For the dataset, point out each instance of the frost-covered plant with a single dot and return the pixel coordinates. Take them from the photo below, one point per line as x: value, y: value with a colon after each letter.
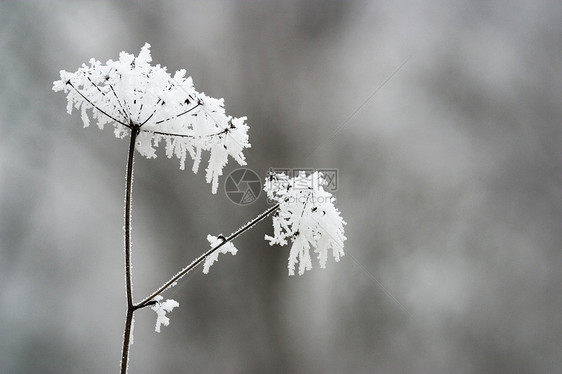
x: 152, y: 107
x: 134, y: 96
x: 307, y: 216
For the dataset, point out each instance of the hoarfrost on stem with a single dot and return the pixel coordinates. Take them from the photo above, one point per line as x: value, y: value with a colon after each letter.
x: 307, y: 216
x: 161, y: 309
x: 133, y: 95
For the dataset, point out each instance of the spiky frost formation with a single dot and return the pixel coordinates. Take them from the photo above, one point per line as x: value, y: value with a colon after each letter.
x: 133, y: 95
x: 307, y: 217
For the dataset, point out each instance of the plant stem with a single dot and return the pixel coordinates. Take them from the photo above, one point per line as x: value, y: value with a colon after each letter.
x: 200, y: 259
x: 131, y: 307
x: 127, y: 340
x: 128, y: 283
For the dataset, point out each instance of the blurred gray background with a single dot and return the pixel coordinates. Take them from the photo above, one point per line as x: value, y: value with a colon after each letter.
x: 443, y: 119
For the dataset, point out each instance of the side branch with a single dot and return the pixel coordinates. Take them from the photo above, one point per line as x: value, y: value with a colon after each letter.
x: 185, y: 135
x: 201, y: 258
x: 179, y: 115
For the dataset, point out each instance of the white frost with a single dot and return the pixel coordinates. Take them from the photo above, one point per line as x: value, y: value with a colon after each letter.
x: 307, y: 216
x: 130, y: 93
x: 161, y: 309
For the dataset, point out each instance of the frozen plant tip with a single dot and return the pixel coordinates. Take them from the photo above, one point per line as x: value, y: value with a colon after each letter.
x: 307, y: 216
x: 161, y: 309
x: 133, y: 95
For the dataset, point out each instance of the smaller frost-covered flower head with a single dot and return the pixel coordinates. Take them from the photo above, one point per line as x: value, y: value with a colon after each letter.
x: 133, y: 95
x: 307, y: 216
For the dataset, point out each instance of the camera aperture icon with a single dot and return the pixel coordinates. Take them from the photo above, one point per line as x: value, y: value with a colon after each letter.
x: 242, y: 186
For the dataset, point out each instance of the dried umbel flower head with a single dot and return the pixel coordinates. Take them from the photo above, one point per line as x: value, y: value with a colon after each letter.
x: 133, y: 95
x: 307, y: 216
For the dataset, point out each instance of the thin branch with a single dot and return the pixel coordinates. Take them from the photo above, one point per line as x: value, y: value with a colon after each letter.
x: 103, y: 94
x: 185, y: 135
x: 200, y: 259
x: 150, y: 116
x: 93, y: 105
x: 140, y: 111
x: 179, y: 115
x: 119, y: 102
